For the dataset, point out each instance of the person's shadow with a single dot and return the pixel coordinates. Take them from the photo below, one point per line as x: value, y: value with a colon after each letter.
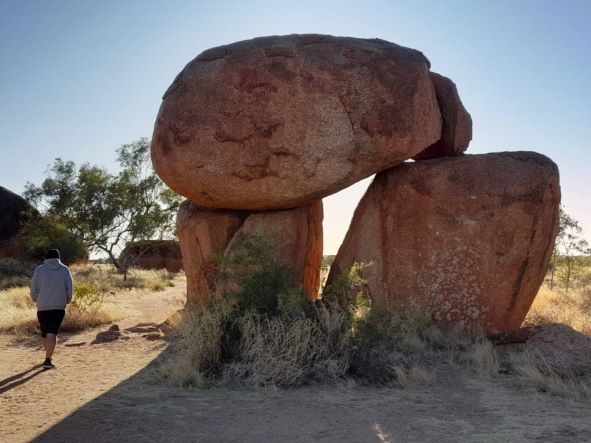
x: 16, y: 380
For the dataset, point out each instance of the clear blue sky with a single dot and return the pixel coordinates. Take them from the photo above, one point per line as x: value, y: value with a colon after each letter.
x: 80, y: 78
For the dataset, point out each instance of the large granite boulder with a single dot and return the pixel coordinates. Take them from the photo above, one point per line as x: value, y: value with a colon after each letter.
x: 456, y: 131
x: 466, y: 239
x: 14, y: 211
x: 280, y: 122
x: 153, y: 254
x: 204, y: 234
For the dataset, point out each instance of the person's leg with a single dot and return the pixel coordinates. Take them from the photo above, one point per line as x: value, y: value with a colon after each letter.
x: 42, y: 317
x: 54, y: 321
x: 49, y: 343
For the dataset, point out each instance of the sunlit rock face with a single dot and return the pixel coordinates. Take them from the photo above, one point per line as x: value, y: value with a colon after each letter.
x: 295, y: 237
x: 456, y: 131
x: 465, y: 239
x: 280, y: 122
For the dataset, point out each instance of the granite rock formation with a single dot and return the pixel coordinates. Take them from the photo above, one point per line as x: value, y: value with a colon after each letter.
x: 280, y: 122
x: 153, y: 254
x: 466, y: 239
x: 204, y: 234
x: 456, y: 130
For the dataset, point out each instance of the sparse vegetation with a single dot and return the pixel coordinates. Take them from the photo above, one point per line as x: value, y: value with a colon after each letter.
x: 534, y: 372
x: 558, y: 306
x: 14, y: 273
x: 91, y: 209
x: 94, y: 286
x: 264, y: 331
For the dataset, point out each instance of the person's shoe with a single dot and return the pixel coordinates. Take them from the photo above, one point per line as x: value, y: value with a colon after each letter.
x: 47, y: 364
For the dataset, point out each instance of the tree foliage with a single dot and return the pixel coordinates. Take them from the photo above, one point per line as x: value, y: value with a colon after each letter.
x: 104, y: 210
x: 570, y: 250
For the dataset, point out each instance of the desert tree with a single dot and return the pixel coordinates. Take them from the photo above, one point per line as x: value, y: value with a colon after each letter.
x: 570, y: 250
x: 103, y: 210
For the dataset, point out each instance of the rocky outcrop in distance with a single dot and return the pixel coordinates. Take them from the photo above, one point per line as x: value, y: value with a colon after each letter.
x: 153, y: 254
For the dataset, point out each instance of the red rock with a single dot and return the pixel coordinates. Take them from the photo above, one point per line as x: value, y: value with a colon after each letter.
x: 153, y: 254
x: 456, y: 131
x: 467, y: 239
x: 203, y: 235
x: 279, y: 122
x: 296, y: 235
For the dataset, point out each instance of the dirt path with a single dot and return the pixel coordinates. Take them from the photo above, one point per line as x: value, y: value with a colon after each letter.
x: 33, y: 400
x: 100, y: 392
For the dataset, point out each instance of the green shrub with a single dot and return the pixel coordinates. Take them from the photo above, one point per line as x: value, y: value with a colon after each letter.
x: 47, y: 232
x: 346, y: 290
x: 87, y: 297
x: 253, y: 278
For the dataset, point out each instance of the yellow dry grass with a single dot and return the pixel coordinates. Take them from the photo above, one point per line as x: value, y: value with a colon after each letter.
x: 556, y: 306
x: 18, y: 315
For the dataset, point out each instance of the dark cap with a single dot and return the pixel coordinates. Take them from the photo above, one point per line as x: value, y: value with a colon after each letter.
x: 53, y: 253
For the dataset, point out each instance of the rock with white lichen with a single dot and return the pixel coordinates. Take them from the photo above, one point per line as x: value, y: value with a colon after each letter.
x: 464, y: 239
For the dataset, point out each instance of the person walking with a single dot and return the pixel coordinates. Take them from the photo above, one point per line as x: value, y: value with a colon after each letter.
x: 51, y: 290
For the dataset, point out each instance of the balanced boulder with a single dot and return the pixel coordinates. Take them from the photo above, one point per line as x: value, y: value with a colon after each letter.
x: 456, y: 130
x: 153, y: 254
x: 465, y: 239
x: 294, y: 235
x: 280, y: 122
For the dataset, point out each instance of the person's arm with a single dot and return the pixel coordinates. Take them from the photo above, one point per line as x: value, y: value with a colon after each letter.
x: 35, y: 286
x: 69, y: 286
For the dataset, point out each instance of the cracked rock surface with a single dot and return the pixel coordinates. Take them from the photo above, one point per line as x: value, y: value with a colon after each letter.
x: 280, y: 122
x: 296, y: 235
x: 465, y: 239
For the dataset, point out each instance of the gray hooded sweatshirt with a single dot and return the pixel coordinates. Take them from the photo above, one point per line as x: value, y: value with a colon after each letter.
x: 51, y: 286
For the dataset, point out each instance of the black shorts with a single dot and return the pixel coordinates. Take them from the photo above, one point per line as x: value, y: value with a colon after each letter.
x: 50, y: 321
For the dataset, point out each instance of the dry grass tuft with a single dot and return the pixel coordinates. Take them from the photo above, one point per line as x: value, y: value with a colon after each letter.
x: 556, y: 306
x: 106, y: 278
x: 293, y: 351
x: 534, y: 372
x: 481, y: 357
x: 18, y: 314
x: 93, y: 284
x: 197, y: 348
x: 222, y: 346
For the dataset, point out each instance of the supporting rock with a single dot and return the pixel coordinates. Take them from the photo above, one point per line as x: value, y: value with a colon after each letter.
x: 466, y: 239
x: 296, y: 235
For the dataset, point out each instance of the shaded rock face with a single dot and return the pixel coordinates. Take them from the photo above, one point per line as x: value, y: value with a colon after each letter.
x: 204, y: 234
x: 154, y: 254
x: 467, y: 239
x: 456, y: 130
x: 280, y: 122
x: 11, y: 219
